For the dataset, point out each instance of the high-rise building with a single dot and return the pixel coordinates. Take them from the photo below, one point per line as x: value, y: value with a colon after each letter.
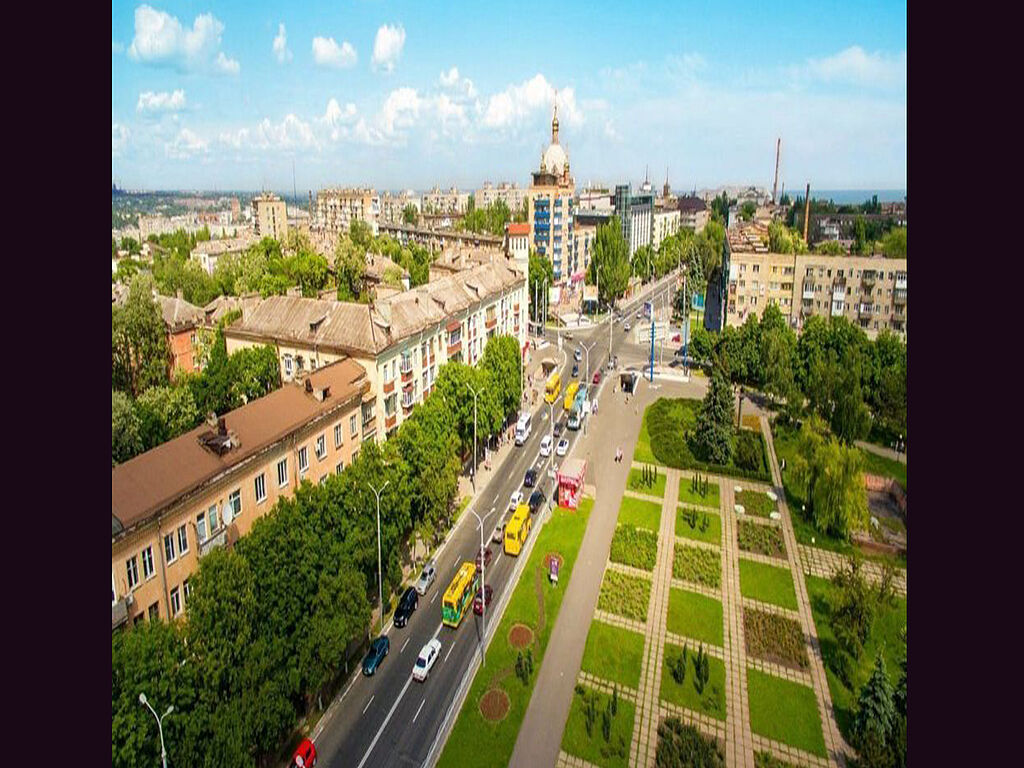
x: 336, y: 209
x: 552, y: 209
x: 270, y: 216
x: 511, y: 194
x: 636, y: 215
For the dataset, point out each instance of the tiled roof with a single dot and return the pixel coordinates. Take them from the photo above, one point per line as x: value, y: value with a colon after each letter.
x: 178, y: 314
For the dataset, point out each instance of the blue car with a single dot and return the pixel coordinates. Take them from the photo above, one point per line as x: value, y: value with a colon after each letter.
x: 378, y: 650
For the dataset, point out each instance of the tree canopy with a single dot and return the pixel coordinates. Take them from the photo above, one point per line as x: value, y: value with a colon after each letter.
x: 611, y: 260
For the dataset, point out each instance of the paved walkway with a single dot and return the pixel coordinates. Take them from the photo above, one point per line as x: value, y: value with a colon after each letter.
x: 879, y: 450
x: 823, y: 563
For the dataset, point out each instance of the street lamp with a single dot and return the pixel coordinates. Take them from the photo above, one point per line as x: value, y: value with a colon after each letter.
x: 483, y: 584
x: 380, y: 570
x: 587, y: 348
x: 475, y: 393
x: 159, y: 724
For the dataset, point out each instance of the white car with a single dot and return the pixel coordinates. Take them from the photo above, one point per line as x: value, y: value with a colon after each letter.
x: 426, y: 578
x: 426, y: 660
x: 545, y: 446
x: 563, y: 447
x: 577, y: 355
x: 515, y: 499
x: 499, y: 534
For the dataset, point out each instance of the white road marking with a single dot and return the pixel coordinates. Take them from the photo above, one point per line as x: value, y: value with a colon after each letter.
x: 368, y: 704
x: 385, y: 723
x: 433, y: 598
x: 452, y: 648
x: 418, y: 710
x: 349, y: 688
x: 407, y: 640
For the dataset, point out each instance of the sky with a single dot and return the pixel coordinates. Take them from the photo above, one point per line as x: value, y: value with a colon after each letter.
x: 208, y: 95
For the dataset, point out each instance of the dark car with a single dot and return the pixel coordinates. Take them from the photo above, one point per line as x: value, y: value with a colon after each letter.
x: 478, y: 601
x: 409, y: 602
x: 531, y: 478
x: 378, y: 650
x: 575, y: 370
x: 484, y: 555
x: 305, y: 755
x: 559, y: 426
x: 597, y: 376
x: 537, y: 500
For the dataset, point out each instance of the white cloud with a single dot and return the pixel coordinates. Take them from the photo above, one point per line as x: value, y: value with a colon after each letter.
x: 160, y: 39
x: 519, y: 103
x: 854, y: 65
x: 335, y: 119
x: 688, y: 65
x: 387, y: 47
x: 163, y: 101
x: 462, y: 86
x: 185, y: 145
x: 400, y: 110
x: 281, y: 51
x: 119, y: 136
x: 328, y: 53
x: 116, y: 47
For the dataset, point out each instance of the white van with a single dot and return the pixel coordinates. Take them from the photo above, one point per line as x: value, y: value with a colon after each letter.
x: 523, y: 428
x: 545, y: 446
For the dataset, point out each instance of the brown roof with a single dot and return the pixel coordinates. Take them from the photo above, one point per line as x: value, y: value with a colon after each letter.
x: 228, y: 245
x: 178, y: 314
x: 691, y: 204
x: 222, y: 305
x: 144, y: 486
x: 522, y: 228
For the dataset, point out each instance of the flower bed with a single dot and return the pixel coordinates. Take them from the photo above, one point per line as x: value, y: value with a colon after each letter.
x: 635, y: 547
x: 701, y: 566
x: 762, y: 539
x: 775, y: 638
x: 699, y: 525
x: 625, y: 595
x: 755, y: 503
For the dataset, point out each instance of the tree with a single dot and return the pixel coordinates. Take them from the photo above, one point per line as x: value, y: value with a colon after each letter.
x: 875, y: 719
x: 140, y: 351
x: 542, y: 277
x: 349, y: 268
x: 253, y: 372
x: 164, y: 413
x: 860, y: 236
x: 830, y: 248
x: 131, y: 245
x: 410, y: 215
x: 611, y: 260
x: 713, y: 432
x: 720, y: 206
x: 806, y: 467
x: 702, y: 343
x: 852, y: 605
x: 748, y: 210
x: 501, y: 359
x: 683, y: 746
x: 126, y: 441
x: 359, y: 232
x: 894, y: 244
x: 643, y: 263
x: 839, y: 500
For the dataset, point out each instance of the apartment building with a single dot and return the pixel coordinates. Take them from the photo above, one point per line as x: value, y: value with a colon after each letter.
x: 693, y: 213
x: 209, y: 252
x: 392, y: 207
x: 511, y: 194
x: 552, y: 208
x: 517, y: 244
x: 440, y: 203
x: 270, y: 217
x: 181, y: 321
x: 401, y: 341
x: 175, y: 503
x: 665, y: 224
x: 336, y: 209
x: 636, y: 215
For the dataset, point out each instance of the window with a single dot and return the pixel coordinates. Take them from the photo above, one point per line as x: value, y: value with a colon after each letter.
x: 212, y: 515
x: 389, y: 404
x: 355, y: 454
x: 757, y: 268
x: 183, y: 539
x: 201, y: 526
x: 387, y: 374
x: 287, y: 365
x: 353, y: 427
x: 186, y: 590
x: 338, y: 435
x: 321, y: 447
x: 338, y: 467
x: 235, y: 502
x: 147, y: 562
x: 131, y: 565
x: 261, y: 488
x: 303, y: 459
x: 175, y: 601
x: 169, y: 554
x: 323, y: 479
x: 282, y: 473
x: 154, y: 612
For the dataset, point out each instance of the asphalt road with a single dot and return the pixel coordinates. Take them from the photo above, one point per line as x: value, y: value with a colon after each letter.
x: 391, y: 720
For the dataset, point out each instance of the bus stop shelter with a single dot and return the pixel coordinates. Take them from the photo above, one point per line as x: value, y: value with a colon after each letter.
x: 571, y: 476
x: 628, y: 381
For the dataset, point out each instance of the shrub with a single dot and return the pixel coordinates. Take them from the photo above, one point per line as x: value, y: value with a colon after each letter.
x: 749, y: 452
x: 606, y: 724
x: 763, y: 539
x: 635, y: 547
x: 615, y: 700
x: 768, y: 760
x: 678, y: 666
x: 852, y: 607
x: 682, y: 745
x: 701, y: 566
x: 625, y: 595
x: 755, y: 503
x: 775, y: 638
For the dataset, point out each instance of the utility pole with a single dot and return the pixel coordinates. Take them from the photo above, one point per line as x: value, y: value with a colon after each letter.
x: 483, y: 585
x: 159, y: 724
x: 380, y: 570
x: 807, y: 210
x: 475, y: 393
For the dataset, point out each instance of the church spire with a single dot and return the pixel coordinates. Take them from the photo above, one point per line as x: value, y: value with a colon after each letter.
x: 554, y: 122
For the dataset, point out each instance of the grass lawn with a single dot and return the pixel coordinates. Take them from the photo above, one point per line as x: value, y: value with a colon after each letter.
x: 712, y: 534
x: 624, y: 595
x: 755, y: 503
x: 767, y: 584
x: 642, y: 514
x: 474, y: 740
x: 694, y: 615
x: 642, y: 451
x: 712, y: 701
x: 884, y: 635
x: 689, y: 496
x: 657, y: 488
x: 696, y: 564
x: 594, y: 749
x: 784, y: 711
x: 880, y: 465
x: 635, y: 547
x: 613, y: 653
x: 762, y: 539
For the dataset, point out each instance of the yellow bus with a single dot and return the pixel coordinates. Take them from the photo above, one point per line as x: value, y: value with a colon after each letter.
x: 459, y: 595
x: 554, y: 387
x: 517, y: 529
x: 570, y: 394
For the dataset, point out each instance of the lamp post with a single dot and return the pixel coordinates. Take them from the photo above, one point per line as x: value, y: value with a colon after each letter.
x: 587, y: 348
x: 159, y: 724
x: 380, y: 570
x: 483, y: 585
x: 475, y: 393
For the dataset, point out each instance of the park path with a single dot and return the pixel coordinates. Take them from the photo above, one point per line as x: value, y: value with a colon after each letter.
x: 882, y: 451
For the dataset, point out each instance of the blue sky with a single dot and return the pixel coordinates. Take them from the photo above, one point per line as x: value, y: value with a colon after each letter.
x: 208, y: 95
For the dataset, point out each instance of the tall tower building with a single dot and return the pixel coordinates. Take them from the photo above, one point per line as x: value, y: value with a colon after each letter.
x: 552, y: 210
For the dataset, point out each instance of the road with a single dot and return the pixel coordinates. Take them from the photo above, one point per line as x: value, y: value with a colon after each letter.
x: 391, y: 720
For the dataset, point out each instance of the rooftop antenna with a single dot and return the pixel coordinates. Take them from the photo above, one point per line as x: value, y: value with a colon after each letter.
x: 775, y: 186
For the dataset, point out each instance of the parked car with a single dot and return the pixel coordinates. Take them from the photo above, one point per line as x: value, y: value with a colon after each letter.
x: 515, y: 499
x: 304, y: 756
x: 537, y: 500
x: 410, y: 602
x: 499, y: 533
x: 545, y: 446
x: 426, y: 578
x: 530, y: 479
x: 478, y: 601
x: 612, y: 362
x: 626, y: 327
x: 483, y: 557
x: 559, y: 426
x: 563, y: 447
x: 378, y: 650
x: 425, y: 661
x: 577, y: 355
x: 575, y: 370
x: 597, y: 376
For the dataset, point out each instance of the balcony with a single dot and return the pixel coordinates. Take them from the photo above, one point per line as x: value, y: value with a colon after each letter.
x: 491, y: 322
x: 839, y: 292
x: 899, y: 296
x: 214, y: 541
x: 119, y: 612
x: 867, y: 278
x: 407, y: 400
x: 865, y: 310
x: 901, y: 283
x: 390, y: 421
x: 406, y: 365
x: 389, y: 386
x: 407, y: 376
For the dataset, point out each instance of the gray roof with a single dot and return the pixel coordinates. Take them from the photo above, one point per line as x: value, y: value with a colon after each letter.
x: 178, y: 314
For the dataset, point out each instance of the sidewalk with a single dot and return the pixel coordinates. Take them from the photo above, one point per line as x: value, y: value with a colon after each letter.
x: 878, y: 450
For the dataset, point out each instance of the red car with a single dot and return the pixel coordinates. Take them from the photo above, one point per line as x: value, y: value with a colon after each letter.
x: 485, y: 556
x: 478, y: 601
x: 305, y: 755
x: 597, y: 376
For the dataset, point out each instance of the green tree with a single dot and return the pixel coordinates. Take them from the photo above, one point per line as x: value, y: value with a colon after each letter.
x: 140, y: 351
x: 164, y: 413
x: 253, y: 372
x: 860, y: 236
x: 830, y: 248
x: 349, y: 268
x: 542, y: 277
x: 894, y: 244
x: 361, y: 234
x: 681, y: 745
x: 852, y: 607
x: 126, y: 440
x: 720, y: 206
x: 410, y: 215
x: 748, y: 210
x: 611, y: 260
x: 131, y: 245
x: 875, y: 719
x: 714, y: 431
x: 839, y: 500
x: 502, y: 359
x: 643, y: 263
